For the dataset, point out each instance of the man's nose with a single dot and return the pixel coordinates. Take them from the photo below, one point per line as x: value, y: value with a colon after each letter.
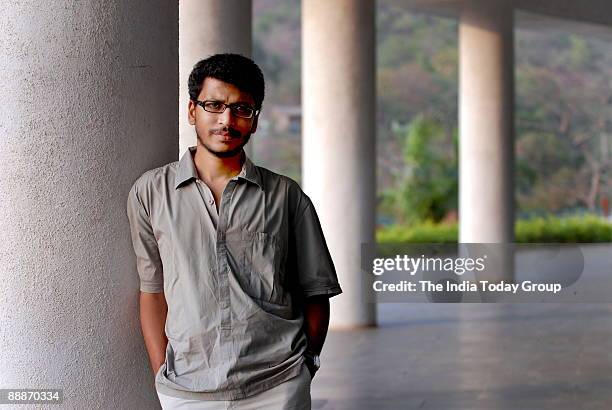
x: 226, y: 117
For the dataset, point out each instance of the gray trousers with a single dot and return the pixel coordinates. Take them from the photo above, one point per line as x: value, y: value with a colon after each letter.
x: 294, y: 394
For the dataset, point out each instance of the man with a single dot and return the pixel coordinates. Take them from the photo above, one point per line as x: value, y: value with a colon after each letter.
x: 235, y: 275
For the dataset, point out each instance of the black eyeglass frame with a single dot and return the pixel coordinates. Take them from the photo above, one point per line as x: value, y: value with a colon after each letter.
x: 254, y: 111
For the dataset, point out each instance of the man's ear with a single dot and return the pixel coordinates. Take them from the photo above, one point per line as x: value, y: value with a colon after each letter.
x: 254, y: 125
x: 191, y: 107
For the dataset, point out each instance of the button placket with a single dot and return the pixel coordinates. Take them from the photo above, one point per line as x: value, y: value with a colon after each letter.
x: 207, y: 196
x: 222, y: 265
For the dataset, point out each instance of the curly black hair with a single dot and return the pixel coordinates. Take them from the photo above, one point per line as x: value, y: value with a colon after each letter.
x: 234, y: 69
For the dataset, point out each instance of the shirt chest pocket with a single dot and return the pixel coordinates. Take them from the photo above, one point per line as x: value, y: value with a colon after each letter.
x: 264, y: 261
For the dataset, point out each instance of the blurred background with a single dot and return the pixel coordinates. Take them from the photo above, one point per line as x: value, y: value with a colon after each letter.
x: 563, y: 120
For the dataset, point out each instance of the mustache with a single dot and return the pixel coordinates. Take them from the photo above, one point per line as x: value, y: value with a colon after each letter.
x: 232, y: 132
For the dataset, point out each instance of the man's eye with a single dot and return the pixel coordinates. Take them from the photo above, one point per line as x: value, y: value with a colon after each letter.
x: 242, y: 109
x: 215, y: 105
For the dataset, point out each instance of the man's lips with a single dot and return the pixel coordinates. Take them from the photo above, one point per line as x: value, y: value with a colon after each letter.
x: 225, y: 136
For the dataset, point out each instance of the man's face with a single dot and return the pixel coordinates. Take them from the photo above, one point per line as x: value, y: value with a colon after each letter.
x: 222, y: 134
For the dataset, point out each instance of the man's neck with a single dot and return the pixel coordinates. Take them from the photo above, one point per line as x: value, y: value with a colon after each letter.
x: 213, y: 169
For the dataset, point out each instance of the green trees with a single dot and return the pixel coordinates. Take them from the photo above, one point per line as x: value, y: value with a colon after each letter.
x: 430, y: 186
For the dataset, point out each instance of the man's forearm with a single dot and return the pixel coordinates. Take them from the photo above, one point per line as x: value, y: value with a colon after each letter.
x: 153, y: 311
x: 316, y: 322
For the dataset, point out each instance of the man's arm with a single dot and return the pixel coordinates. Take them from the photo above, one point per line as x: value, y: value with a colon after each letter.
x: 153, y: 310
x: 316, y: 322
x: 316, y: 276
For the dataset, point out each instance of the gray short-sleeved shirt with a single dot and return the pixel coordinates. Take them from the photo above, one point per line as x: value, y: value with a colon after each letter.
x: 234, y: 280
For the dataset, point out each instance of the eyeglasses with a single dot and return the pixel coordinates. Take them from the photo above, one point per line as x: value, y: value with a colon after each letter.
x: 238, y: 109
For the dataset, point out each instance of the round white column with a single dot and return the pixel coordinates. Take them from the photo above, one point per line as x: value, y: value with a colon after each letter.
x: 486, y: 120
x: 338, y: 140
x: 88, y: 103
x: 205, y: 28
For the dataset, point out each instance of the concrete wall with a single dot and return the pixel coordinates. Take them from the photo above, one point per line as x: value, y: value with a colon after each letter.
x: 88, y: 103
x: 338, y: 140
x: 486, y: 124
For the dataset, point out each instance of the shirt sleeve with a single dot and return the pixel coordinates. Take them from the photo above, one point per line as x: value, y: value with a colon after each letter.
x: 148, y: 261
x: 316, y: 272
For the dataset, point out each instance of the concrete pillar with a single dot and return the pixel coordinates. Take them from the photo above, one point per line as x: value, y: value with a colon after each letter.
x: 206, y: 28
x: 486, y: 120
x: 88, y: 102
x: 338, y: 142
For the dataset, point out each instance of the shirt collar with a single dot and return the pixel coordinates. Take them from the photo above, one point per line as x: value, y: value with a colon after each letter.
x: 187, y: 170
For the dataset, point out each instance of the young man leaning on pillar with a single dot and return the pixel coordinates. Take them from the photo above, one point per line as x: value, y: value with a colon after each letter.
x: 235, y: 274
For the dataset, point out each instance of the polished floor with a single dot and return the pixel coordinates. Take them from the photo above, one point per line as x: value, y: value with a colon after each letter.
x: 471, y: 356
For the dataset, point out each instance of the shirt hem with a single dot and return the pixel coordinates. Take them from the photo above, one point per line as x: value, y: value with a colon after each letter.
x: 232, y: 394
x: 331, y: 291
x: 145, y: 289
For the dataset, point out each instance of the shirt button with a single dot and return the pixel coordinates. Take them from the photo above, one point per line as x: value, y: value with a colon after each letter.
x: 211, y: 202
